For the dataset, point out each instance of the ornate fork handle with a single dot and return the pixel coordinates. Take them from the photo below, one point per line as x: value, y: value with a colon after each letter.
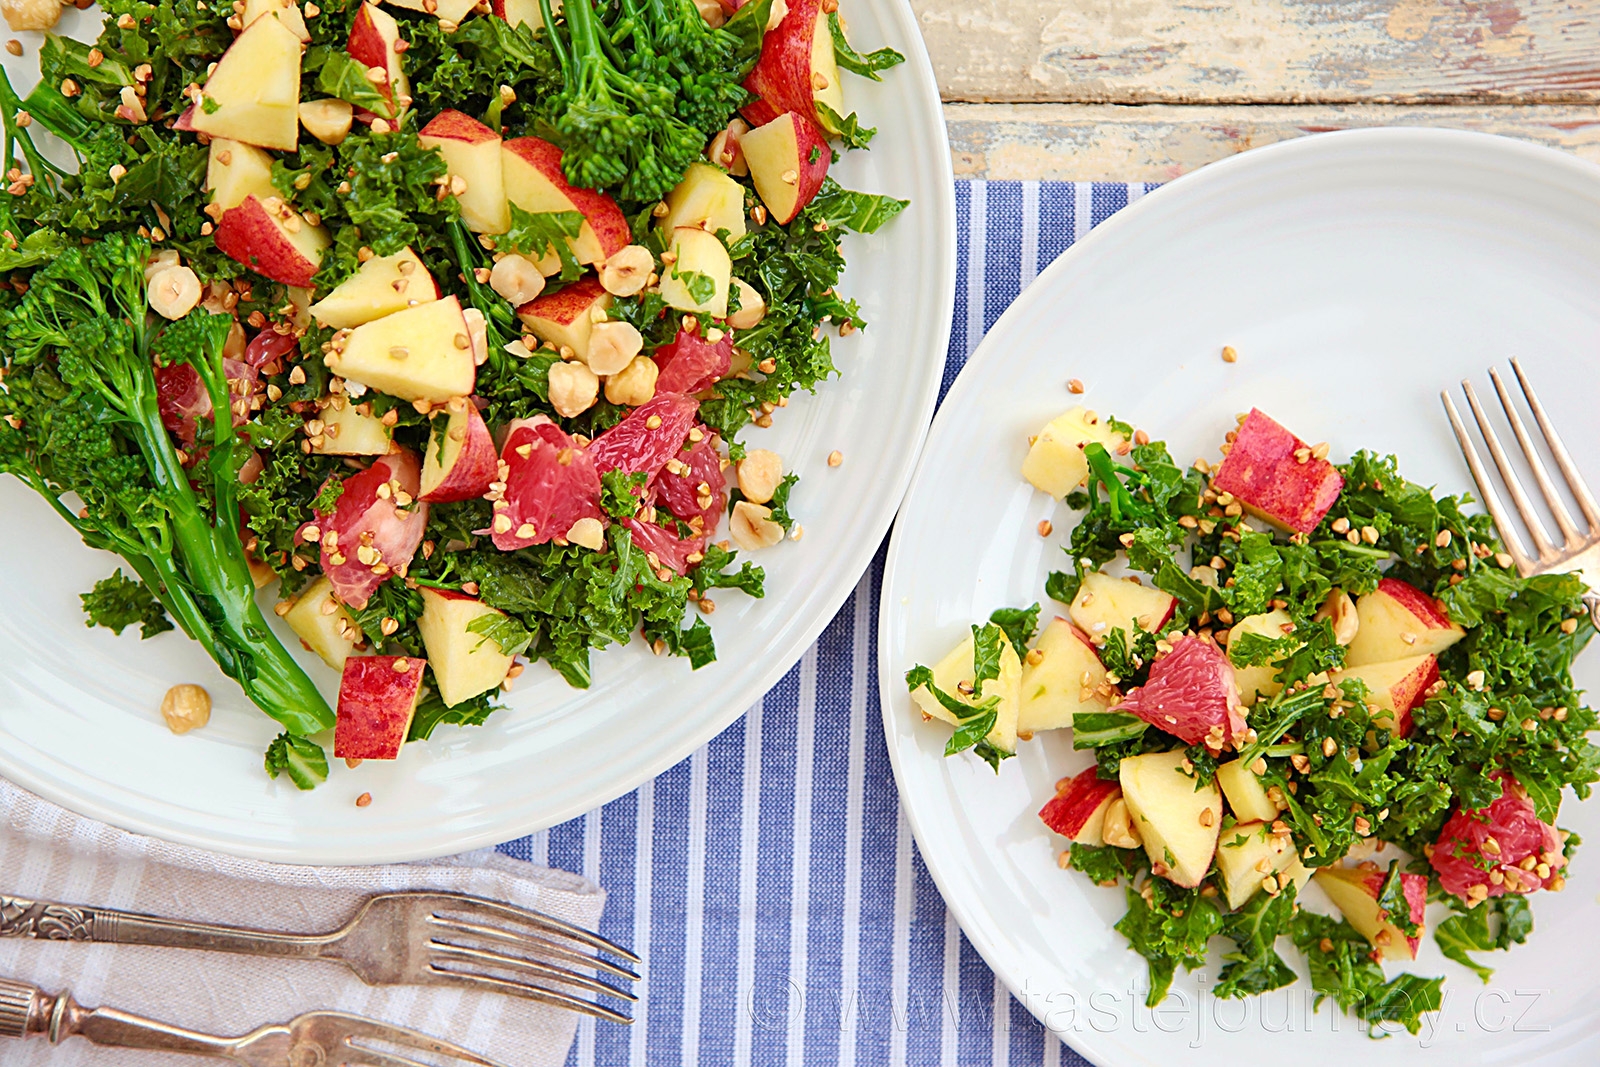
x: 48, y: 921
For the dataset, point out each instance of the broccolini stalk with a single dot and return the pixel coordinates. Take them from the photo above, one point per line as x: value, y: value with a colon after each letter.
x: 80, y: 415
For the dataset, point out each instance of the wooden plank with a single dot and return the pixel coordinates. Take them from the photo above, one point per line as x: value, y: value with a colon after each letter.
x: 1265, y: 51
x: 1157, y: 143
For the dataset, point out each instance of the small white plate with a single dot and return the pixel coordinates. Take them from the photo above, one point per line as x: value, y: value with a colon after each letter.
x: 79, y: 719
x: 1357, y: 274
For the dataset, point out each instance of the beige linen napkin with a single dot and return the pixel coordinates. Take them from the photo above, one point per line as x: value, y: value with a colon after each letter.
x: 49, y: 853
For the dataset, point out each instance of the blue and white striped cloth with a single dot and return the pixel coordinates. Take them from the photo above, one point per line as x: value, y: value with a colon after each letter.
x: 769, y: 880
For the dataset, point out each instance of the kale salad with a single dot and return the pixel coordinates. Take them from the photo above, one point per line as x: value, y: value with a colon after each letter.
x: 447, y: 326
x: 1289, y: 672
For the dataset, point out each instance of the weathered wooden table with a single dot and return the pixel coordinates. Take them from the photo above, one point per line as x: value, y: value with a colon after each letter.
x: 1145, y: 90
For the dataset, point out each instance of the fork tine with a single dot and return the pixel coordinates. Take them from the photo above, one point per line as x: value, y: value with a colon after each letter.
x: 356, y: 1026
x: 532, y: 967
x: 1491, y: 499
x: 1519, y: 499
x: 534, y: 993
x: 535, y: 944
x: 536, y: 919
x: 1569, y: 470
x: 1569, y: 532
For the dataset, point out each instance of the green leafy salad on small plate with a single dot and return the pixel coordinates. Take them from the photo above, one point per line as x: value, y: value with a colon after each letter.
x: 1302, y: 674
x: 446, y: 320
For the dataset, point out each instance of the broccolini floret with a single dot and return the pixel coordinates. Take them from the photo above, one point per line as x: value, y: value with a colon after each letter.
x: 638, y: 97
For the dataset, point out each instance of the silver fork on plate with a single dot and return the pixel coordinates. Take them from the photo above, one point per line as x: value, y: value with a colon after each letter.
x: 417, y: 938
x: 1579, y: 549
x: 320, y: 1038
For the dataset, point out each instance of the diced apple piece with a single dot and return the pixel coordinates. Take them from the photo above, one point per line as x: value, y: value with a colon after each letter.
x: 254, y: 94
x: 377, y: 698
x: 1055, y: 462
x: 535, y: 182
x: 350, y: 429
x: 956, y: 670
x: 288, y: 13
x: 566, y: 317
x: 235, y: 171
x: 698, y: 277
x: 1355, y: 890
x: 783, y: 77
x: 1066, y: 679
x: 1298, y: 873
x: 421, y: 353
x: 1261, y: 680
x: 1399, y: 621
x: 826, y: 87
x: 271, y: 238
x: 381, y: 286
x: 1078, y: 810
x: 318, y: 619
x: 1247, y: 854
x: 451, y: 11
x: 1105, y: 603
x: 706, y: 199
x: 1247, y: 797
x: 1395, y: 688
x: 327, y: 120
x: 464, y: 663
x: 1191, y: 695
x: 523, y: 12
x: 1178, y: 822
x: 472, y: 152
x: 788, y: 158
x: 1272, y: 473
x: 374, y: 35
x: 461, y: 465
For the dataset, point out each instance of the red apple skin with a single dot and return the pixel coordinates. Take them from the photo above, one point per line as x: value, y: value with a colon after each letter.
x: 377, y: 696
x: 185, y: 120
x: 1418, y: 685
x: 566, y: 304
x: 781, y: 78
x: 1262, y: 473
x: 1460, y: 858
x: 454, y: 125
x: 367, y: 45
x: 1191, y: 695
x: 469, y: 476
x: 1414, y: 600
x: 810, y: 165
x: 248, y: 234
x: 1070, y: 809
x: 610, y: 225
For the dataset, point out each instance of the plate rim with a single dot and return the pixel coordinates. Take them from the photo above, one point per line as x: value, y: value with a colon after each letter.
x: 967, y: 913
x: 854, y: 559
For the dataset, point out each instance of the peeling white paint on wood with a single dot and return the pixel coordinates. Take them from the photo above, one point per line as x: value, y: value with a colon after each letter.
x: 1265, y: 51
x: 1157, y: 143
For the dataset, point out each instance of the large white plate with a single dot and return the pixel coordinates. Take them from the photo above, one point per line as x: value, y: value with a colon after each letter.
x: 1357, y: 274
x: 78, y: 708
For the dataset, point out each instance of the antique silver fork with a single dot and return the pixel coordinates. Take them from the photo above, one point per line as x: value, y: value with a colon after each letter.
x: 318, y: 1039
x: 1579, y: 549
x: 418, y: 938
